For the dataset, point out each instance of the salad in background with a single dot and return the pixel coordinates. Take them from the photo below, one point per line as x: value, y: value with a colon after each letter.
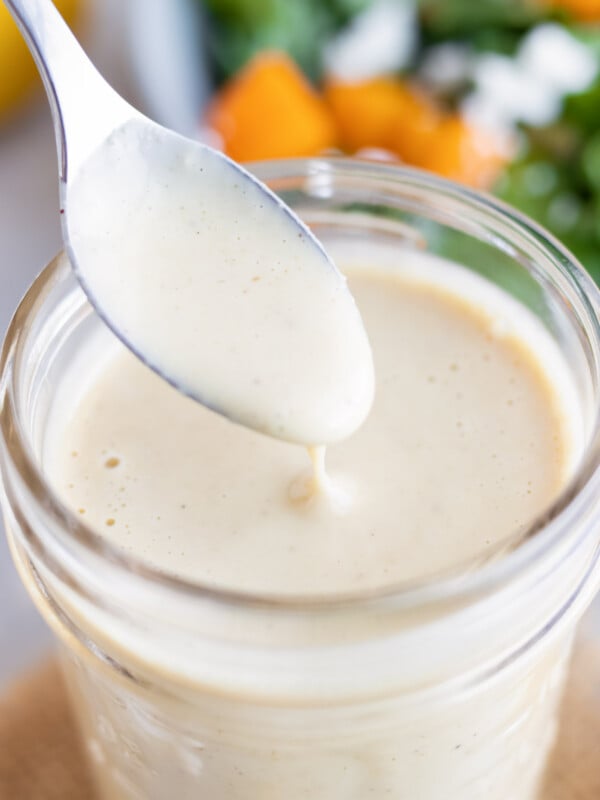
x: 503, y: 95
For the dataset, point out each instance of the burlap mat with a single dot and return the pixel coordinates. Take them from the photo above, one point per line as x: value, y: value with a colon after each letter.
x: 41, y: 758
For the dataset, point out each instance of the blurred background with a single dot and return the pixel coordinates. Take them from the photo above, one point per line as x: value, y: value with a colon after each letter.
x: 500, y: 95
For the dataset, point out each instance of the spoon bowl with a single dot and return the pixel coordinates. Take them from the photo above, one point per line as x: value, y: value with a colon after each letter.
x: 194, y: 264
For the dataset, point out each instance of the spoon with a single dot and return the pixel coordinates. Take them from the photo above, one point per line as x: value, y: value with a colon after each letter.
x: 197, y: 267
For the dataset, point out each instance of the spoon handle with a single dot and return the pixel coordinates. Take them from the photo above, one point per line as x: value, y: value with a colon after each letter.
x: 85, y: 109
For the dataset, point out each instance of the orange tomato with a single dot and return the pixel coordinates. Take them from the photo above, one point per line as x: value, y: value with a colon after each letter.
x: 461, y: 152
x: 269, y: 110
x: 382, y: 112
x: 390, y: 114
x: 415, y: 127
x: 365, y: 112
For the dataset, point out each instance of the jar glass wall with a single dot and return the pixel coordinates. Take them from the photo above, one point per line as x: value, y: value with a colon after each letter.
x: 447, y: 688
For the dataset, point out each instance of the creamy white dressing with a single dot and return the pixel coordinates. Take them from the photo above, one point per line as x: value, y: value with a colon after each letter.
x: 473, y: 432
x: 219, y: 287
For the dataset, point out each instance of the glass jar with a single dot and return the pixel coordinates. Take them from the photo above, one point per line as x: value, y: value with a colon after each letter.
x: 441, y: 690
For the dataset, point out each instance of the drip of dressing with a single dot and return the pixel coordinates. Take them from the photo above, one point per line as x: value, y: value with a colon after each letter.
x: 314, y: 482
x: 320, y: 481
x: 314, y: 487
x: 219, y: 288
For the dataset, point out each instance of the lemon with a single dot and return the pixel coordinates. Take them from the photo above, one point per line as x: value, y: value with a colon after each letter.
x: 18, y: 73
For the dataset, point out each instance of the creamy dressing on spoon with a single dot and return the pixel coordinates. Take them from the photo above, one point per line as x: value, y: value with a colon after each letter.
x: 219, y: 287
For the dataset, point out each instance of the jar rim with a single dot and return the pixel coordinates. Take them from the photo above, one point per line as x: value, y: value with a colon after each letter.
x: 455, y: 585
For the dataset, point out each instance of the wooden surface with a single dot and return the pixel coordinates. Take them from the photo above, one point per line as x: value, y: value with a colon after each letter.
x: 574, y: 770
x: 40, y: 754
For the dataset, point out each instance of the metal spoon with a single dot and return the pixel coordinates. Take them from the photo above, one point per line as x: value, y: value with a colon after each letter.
x: 298, y: 366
